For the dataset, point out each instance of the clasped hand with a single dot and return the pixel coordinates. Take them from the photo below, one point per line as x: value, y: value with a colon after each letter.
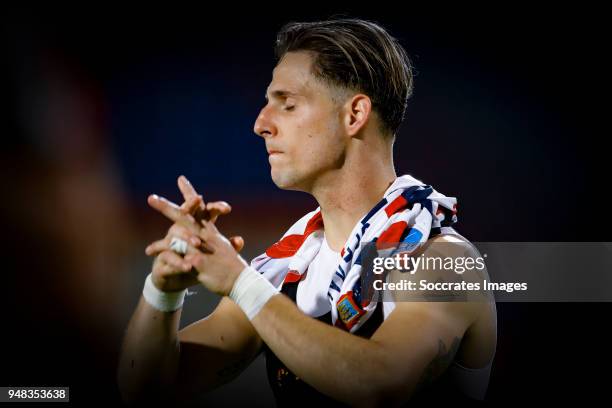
x: 211, y: 259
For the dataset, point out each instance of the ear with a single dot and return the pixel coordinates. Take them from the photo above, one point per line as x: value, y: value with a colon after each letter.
x: 358, y: 111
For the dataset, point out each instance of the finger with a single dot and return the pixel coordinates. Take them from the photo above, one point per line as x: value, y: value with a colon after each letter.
x: 192, y: 204
x: 164, y: 244
x: 188, y: 193
x: 217, y: 208
x: 194, y: 243
x: 166, y: 270
x: 166, y: 207
x: 156, y: 247
x: 237, y: 243
x: 186, y: 188
x: 171, y: 211
x: 198, y: 260
x: 189, y: 234
x: 176, y: 262
x: 193, y: 260
x: 184, y: 232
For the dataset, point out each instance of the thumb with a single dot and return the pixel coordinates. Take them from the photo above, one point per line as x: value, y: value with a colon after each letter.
x: 237, y: 242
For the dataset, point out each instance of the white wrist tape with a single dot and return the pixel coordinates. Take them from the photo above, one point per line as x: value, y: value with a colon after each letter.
x: 251, y: 291
x: 160, y: 300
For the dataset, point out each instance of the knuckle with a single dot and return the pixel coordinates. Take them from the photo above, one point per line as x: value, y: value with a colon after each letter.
x: 176, y: 229
x: 180, y: 231
x: 167, y: 256
x: 163, y: 256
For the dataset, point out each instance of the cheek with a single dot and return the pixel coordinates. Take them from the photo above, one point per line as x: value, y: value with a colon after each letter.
x: 321, y: 150
x: 315, y: 141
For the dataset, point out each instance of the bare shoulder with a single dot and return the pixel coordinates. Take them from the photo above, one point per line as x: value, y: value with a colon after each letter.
x: 448, y: 238
x: 452, y: 244
x: 435, y: 285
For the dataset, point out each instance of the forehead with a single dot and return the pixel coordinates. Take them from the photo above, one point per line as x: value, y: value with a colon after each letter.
x: 293, y: 74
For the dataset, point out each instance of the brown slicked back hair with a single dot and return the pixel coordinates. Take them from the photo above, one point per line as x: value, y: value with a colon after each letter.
x: 356, y: 55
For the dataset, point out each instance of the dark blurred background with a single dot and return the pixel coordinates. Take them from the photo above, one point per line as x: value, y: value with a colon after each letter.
x: 106, y: 105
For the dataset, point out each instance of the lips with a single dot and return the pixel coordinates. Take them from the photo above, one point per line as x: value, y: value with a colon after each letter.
x: 273, y: 151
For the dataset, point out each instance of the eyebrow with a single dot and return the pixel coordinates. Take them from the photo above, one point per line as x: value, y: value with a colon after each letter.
x: 280, y: 93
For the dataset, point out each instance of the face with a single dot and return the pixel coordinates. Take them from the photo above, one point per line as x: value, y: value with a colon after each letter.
x: 301, y: 125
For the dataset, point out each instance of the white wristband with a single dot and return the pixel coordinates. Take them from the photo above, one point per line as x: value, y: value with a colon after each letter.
x: 251, y: 291
x: 160, y: 300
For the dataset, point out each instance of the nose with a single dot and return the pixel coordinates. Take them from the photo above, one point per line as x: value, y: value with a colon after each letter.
x: 264, y: 126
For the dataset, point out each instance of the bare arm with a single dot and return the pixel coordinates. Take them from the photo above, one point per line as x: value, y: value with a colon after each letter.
x: 148, y: 361
x: 385, y: 369
x: 159, y: 362
x: 412, y: 347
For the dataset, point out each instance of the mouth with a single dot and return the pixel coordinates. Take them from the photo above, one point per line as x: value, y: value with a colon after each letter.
x: 272, y: 152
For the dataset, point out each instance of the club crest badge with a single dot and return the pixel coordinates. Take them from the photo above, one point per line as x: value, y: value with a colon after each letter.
x: 348, y: 310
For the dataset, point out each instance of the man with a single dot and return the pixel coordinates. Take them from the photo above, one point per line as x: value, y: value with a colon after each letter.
x: 334, y: 105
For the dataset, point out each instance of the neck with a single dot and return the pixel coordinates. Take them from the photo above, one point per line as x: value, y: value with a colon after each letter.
x: 347, y: 194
